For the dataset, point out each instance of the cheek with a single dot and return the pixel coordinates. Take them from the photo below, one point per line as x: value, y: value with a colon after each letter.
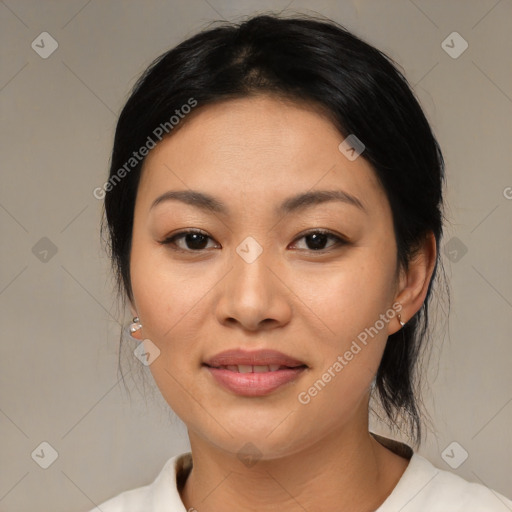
x: 350, y: 295
x: 167, y: 305
x: 166, y: 293
x: 349, y: 301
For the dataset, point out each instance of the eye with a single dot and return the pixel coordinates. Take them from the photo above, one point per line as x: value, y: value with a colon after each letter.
x: 192, y: 240
x: 195, y: 240
x: 316, y: 240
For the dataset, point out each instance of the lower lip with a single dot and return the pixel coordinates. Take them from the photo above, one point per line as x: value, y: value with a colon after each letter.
x: 254, y: 384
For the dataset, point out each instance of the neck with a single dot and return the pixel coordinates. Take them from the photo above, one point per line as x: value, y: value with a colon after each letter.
x: 345, y: 470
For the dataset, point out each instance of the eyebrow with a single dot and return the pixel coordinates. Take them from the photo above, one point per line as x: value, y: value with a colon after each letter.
x: 289, y: 205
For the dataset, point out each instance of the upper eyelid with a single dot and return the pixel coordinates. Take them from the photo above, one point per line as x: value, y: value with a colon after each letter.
x: 323, y: 231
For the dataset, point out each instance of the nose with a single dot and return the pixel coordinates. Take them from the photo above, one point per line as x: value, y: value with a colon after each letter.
x: 253, y: 297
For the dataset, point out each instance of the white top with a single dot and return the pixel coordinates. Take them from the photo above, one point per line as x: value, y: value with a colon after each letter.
x: 422, y: 488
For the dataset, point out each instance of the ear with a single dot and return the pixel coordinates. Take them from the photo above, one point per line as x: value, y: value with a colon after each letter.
x: 137, y: 334
x: 414, y: 283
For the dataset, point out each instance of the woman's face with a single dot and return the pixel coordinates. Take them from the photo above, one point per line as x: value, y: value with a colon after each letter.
x: 259, y: 278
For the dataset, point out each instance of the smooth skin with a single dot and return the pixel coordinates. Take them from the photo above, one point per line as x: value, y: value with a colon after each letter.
x: 196, y: 297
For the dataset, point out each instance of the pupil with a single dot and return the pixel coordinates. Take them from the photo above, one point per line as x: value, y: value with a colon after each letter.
x: 196, y: 241
x: 316, y: 241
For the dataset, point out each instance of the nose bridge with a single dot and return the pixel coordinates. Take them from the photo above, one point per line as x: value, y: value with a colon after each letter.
x: 252, y: 294
x: 251, y: 276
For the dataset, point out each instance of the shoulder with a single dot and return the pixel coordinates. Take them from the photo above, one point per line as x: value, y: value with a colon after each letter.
x: 128, y: 501
x: 426, y: 488
x: 162, y: 492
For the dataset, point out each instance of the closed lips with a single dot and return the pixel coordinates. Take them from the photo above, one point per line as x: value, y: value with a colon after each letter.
x: 245, y: 368
x: 255, y: 361
x: 253, y: 372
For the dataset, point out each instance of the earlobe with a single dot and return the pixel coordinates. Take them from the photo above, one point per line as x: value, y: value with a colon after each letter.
x: 135, y: 327
x: 416, y: 280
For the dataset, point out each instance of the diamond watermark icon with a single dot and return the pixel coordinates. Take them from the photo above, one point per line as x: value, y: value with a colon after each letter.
x: 146, y: 352
x: 455, y: 249
x: 454, y: 455
x: 45, y: 455
x: 249, y: 454
x: 44, y: 250
x: 44, y: 45
x: 249, y: 250
x: 454, y: 45
x: 351, y: 147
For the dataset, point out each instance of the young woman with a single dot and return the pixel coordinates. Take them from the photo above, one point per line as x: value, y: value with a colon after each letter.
x: 274, y: 209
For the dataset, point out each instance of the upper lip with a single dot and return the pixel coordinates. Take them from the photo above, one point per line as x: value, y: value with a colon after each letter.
x: 253, y: 358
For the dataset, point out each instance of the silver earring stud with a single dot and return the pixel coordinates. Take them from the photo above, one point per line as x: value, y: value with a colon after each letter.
x: 135, y: 325
x: 400, y: 319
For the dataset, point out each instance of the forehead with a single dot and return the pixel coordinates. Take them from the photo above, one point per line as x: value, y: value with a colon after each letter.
x: 258, y: 148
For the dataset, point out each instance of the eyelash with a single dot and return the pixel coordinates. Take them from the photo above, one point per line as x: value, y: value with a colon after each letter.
x: 340, y: 241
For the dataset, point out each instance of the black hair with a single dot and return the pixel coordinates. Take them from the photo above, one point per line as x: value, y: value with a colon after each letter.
x: 319, y: 62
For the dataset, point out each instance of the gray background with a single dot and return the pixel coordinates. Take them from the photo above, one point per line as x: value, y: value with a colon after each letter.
x: 58, y: 364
